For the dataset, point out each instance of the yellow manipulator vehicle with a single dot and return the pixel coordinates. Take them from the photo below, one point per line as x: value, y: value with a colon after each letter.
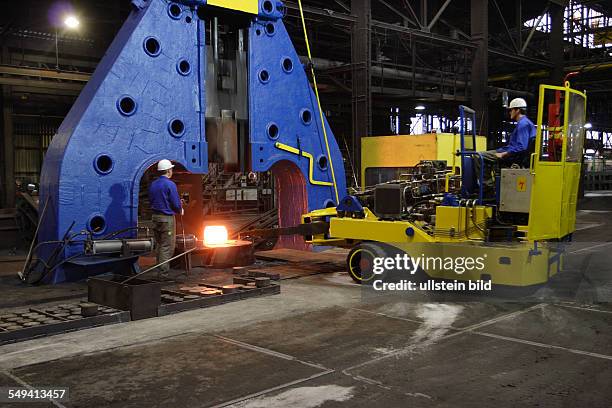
x: 516, y: 232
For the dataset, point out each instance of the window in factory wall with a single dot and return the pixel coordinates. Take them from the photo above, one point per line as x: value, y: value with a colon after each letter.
x: 395, y: 121
x: 422, y: 123
x: 582, y: 25
x: 31, y: 138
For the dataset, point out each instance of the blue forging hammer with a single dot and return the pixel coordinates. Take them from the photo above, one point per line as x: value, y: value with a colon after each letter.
x: 150, y: 99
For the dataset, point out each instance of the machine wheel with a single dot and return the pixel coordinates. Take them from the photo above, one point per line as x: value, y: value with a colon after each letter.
x: 360, y: 262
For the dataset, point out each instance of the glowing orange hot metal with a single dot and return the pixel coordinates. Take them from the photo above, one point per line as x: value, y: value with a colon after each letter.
x: 215, y: 235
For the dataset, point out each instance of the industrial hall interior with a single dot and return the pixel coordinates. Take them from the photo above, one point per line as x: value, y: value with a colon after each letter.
x: 306, y: 203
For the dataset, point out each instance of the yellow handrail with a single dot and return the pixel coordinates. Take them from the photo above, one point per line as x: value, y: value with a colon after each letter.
x: 310, y: 158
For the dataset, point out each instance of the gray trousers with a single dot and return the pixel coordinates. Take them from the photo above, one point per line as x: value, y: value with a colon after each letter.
x: 165, y: 240
x: 491, y: 161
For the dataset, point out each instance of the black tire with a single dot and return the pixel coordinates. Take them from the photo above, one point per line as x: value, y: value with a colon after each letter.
x: 360, y: 262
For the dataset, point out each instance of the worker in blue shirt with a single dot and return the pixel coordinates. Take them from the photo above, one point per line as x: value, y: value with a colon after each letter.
x: 165, y: 203
x: 516, y: 148
x: 525, y: 130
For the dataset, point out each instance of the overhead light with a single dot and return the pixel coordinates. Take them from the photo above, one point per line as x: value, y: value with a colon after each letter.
x: 588, y: 125
x: 72, y: 22
x: 419, y: 107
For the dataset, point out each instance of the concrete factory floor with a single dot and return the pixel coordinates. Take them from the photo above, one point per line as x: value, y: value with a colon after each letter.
x: 322, y: 343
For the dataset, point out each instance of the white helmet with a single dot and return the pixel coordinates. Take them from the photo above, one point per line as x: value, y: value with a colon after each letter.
x: 164, y: 165
x: 518, y: 103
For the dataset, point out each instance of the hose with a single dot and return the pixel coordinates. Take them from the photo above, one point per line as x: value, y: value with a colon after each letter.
x: 68, y: 239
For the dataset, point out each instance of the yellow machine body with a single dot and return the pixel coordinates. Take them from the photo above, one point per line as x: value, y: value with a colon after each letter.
x: 246, y: 6
x: 406, y: 151
x: 459, y: 231
x: 554, y: 195
x: 519, y: 264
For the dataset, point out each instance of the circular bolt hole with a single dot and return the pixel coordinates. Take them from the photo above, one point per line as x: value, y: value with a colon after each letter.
x: 193, y: 147
x: 152, y: 46
x: 188, y: 20
x: 287, y: 65
x: 273, y: 131
x: 97, y: 224
x: 268, y: 7
x: 176, y: 127
x: 126, y: 105
x: 306, y: 116
x: 261, y: 160
x: 322, y: 162
x: 260, y: 148
x: 174, y: 10
x: 193, y: 160
x: 270, y: 29
x: 258, y: 31
x: 103, y: 164
x: 183, y: 67
x: 264, y: 76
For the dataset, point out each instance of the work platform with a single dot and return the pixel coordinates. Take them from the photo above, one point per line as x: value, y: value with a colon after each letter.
x: 321, y: 342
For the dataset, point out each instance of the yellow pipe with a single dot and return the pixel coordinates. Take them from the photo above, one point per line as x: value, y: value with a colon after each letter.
x: 310, y: 158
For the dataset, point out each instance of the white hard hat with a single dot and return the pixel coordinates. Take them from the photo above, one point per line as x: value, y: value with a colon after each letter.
x: 518, y: 103
x: 164, y: 165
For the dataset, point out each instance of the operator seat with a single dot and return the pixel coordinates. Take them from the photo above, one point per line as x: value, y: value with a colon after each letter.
x: 522, y: 159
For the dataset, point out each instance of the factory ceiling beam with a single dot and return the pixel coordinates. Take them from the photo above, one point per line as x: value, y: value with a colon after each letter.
x: 501, y: 16
x: 523, y: 59
x: 68, y: 49
x: 438, y: 15
x: 344, y: 6
x: 424, y: 13
x: 352, y: 18
x: 59, y: 92
x: 533, y: 29
x: 12, y: 70
x: 326, y: 13
x: 456, y: 29
x: 43, y: 81
x: 398, y: 72
x: 379, y: 91
x: 399, y: 13
x: 43, y: 84
x: 408, y: 7
x: 421, y: 34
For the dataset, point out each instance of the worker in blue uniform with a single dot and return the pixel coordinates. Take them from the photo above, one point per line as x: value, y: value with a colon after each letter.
x: 165, y: 203
x: 517, y: 147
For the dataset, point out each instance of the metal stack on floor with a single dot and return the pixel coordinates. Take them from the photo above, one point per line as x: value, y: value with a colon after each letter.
x: 34, y: 322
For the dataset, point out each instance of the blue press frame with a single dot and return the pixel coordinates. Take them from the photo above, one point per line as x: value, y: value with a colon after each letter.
x: 134, y: 141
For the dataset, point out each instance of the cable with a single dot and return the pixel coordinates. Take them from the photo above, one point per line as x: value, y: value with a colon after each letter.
x: 44, y: 275
x: 314, y: 81
x: 61, y: 245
